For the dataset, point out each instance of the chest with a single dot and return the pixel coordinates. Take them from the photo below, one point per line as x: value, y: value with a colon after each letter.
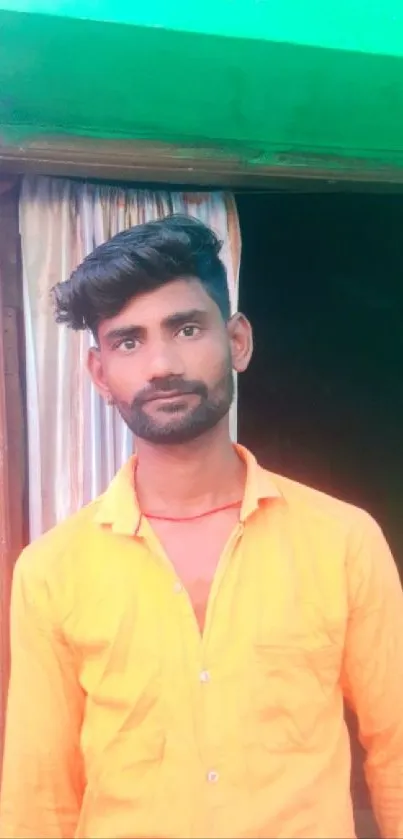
x: 194, y: 549
x: 277, y: 620
x: 265, y: 585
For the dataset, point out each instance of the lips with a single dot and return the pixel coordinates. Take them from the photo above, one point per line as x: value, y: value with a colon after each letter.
x: 166, y: 395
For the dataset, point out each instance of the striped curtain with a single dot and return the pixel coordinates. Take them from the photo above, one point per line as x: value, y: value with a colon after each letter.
x: 75, y: 444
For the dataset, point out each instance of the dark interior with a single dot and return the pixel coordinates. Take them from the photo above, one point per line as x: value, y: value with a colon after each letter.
x: 322, y: 282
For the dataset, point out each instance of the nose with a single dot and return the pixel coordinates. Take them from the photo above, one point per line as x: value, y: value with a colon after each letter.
x: 163, y: 361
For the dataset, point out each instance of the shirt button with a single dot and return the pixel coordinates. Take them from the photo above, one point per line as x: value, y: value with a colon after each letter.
x: 178, y: 587
x: 212, y: 776
x: 204, y: 676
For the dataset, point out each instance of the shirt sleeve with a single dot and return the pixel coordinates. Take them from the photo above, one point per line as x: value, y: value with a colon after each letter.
x: 373, y: 670
x: 42, y: 779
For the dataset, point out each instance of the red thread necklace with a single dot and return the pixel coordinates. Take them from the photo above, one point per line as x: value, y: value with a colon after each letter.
x: 212, y: 512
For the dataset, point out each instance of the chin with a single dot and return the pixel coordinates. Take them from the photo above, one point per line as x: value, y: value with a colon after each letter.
x: 170, y: 435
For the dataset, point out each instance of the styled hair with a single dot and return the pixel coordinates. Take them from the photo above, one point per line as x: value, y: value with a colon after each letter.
x: 137, y: 261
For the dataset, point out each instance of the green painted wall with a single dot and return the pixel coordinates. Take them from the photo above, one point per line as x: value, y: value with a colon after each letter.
x: 365, y: 25
x: 283, y: 83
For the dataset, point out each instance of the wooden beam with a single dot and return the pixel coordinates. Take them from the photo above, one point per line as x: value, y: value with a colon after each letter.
x: 150, y: 162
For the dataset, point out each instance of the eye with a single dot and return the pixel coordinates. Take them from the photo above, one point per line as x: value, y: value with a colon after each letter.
x: 189, y: 331
x: 126, y: 345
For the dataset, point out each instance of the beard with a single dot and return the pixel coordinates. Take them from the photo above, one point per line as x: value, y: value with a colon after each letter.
x: 177, y: 423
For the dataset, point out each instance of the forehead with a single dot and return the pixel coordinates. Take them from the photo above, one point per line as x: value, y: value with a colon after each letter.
x: 154, y: 307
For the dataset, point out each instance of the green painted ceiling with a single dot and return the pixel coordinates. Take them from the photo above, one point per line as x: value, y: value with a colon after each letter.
x: 286, y: 81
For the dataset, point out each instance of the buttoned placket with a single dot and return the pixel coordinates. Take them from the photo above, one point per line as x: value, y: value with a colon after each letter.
x: 183, y: 601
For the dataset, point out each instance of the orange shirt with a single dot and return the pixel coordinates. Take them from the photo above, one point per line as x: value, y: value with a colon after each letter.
x: 124, y: 721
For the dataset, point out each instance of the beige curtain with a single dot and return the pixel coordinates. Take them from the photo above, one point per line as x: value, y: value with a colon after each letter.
x: 75, y: 444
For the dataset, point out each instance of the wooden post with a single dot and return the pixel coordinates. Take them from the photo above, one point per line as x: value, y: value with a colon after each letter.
x: 12, y: 421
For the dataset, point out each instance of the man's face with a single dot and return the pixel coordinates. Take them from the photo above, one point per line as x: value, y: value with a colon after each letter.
x: 166, y: 360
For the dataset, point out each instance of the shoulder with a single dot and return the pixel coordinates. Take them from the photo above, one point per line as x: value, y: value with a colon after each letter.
x: 348, y: 537
x: 59, y: 549
x: 326, y: 513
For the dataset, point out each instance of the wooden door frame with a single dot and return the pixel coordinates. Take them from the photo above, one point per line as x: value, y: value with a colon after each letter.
x: 208, y: 166
x: 139, y: 162
x: 13, y: 532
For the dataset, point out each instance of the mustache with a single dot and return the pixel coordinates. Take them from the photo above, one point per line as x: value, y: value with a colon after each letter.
x: 167, y: 385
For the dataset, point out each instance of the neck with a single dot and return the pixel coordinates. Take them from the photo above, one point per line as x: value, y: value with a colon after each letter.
x: 191, y: 477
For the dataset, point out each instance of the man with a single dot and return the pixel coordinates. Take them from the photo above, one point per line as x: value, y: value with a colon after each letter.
x: 182, y: 646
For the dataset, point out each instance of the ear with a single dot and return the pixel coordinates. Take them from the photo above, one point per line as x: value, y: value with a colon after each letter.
x: 95, y: 369
x: 241, y: 340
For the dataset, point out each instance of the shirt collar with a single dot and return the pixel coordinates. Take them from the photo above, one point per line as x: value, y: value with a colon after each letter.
x: 260, y: 484
x: 119, y: 507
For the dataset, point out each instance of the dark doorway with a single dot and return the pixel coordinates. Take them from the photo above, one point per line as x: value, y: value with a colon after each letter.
x: 322, y: 282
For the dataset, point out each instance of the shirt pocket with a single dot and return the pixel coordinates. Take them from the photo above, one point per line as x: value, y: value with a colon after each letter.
x: 294, y: 691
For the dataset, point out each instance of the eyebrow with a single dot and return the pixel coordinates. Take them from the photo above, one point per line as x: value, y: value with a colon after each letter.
x: 174, y: 321
x: 123, y: 332
x: 181, y: 318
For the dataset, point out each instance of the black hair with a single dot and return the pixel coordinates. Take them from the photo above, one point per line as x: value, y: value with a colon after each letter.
x: 139, y: 260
